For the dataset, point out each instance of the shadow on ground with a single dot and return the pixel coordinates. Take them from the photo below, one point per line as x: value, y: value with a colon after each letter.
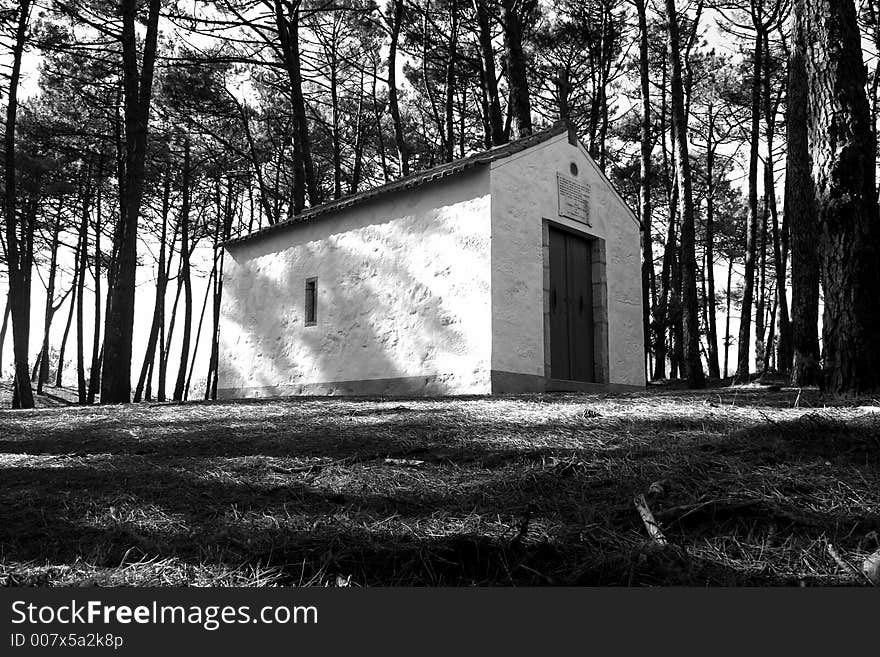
x: 512, y: 491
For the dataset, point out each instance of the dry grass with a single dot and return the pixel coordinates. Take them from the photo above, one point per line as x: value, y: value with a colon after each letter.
x: 749, y: 487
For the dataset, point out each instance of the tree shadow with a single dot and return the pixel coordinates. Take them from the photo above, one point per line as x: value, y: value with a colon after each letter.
x: 428, y: 492
x: 312, y: 532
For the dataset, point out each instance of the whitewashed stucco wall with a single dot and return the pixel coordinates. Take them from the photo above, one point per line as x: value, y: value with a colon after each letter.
x: 524, y: 193
x: 403, y: 298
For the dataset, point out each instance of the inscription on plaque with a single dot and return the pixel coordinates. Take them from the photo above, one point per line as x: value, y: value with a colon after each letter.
x: 574, y: 199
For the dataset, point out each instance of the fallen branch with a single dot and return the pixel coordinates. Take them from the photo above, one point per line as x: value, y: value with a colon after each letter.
x: 677, y: 513
x: 648, y: 519
x: 846, y: 565
x: 412, y: 463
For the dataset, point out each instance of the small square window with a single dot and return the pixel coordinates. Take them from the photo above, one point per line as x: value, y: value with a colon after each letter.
x: 311, y: 301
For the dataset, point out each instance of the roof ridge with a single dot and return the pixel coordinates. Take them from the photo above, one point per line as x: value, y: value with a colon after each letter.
x: 415, y: 179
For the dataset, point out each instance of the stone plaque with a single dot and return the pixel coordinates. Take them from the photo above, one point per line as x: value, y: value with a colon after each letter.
x: 574, y: 199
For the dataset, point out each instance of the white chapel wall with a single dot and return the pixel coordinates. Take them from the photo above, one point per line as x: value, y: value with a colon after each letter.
x: 403, y: 298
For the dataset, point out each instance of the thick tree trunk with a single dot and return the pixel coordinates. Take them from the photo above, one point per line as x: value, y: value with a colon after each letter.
x: 119, y: 326
x: 19, y: 232
x: 693, y: 369
x: 800, y: 208
x: 842, y: 149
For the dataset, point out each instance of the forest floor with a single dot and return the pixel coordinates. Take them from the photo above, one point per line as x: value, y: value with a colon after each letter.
x: 750, y: 486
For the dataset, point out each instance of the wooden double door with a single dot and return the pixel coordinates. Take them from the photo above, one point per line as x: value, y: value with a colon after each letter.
x: 571, y: 307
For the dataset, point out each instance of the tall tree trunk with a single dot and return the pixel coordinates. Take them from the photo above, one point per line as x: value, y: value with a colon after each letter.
x: 185, y: 275
x: 604, y: 62
x: 6, y: 312
x: 18, y: 230
x: 771, y: 328
x: 661, y: 315
x: 95, y: 370
x: 780, y: 238
x: 396, y: 11
x: 676, y: 317
x: 119, y: 326
x: 761, y: 291
x: 335, y: 136
x: 380, y: 140
x: 82, y: 391
x: 49, y: 313
x: 287, y: 27
x: 489, y: 80
x: 520, y: 107
x: 645, y: 180
x: 727, y: 336
x: 211, y: 387
x: 800, y: 208
x: 271, y: 213
x: 192, y: 361
x: 842, y: 149
x: 359, y: 136
x: 59, y: 370
x: 745, y: 320
x: 161, y: 283
x: 451, y: 58
x: 711, y: 321
x: 211, y: 381
x: 165, y: 341
x: 484, y: 110
x: 427, y: 44
x: 693, y: 369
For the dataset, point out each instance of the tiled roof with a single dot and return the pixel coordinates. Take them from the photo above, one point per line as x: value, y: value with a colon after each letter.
x: 413, y: 180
